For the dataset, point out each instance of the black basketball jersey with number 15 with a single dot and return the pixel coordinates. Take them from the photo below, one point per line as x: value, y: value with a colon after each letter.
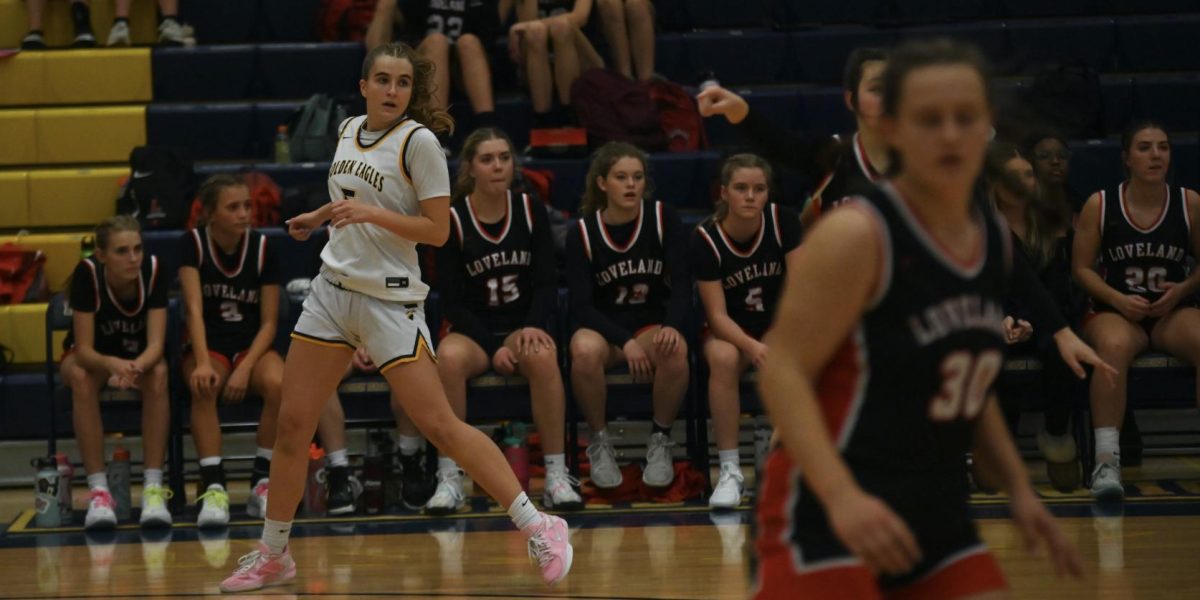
x: 498, y: 265
x: 231, y: 286
x: 630, y: 275
x: 1138, y: 261
x: 904, y: 389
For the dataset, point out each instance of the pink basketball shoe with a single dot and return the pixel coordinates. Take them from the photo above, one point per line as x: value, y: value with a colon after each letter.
x: 260, y: 569
x: 551, y: 548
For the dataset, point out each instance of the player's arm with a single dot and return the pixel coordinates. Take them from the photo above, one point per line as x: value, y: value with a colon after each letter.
x: 431, y: 227
x: 268, y: 309
x: 193, y: 302
x: 819, y: 308
x: 83, y: 331
x: 1085, y: 251
x: 723, y: 327
x: 526, y: 10
x: 156, y: 336
x: 580, y: 12
x: 1192, y: 284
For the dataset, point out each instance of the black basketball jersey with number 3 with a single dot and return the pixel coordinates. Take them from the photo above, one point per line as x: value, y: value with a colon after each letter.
x: 630, y: 278
x: 231, y: 286
x: 751, y: 275
x: 1138, y: 261
x: 904, y: 389
x: 119, y: 327
x: 498, y: 265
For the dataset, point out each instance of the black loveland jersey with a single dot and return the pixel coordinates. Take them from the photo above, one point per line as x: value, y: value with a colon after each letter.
x: 903, y: 391
x: 495, y: 278
x: 751, y: 275
x: 1138, y: 261
x: 853, y: 176
x: 230, y: 285
x: 630, y: 280
x: 120, y: 327
x: 452, y: 18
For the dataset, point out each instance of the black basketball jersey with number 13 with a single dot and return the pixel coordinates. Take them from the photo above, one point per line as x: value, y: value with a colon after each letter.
x: 630, y: 278
x: 1139, y: 261
x: 903, y: 391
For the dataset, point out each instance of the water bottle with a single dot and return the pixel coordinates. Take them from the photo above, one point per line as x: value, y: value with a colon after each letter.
x: 45, y: 490
x: 118, y: 483
x: 87, y: 246
x: 283, y: 152
x: 314, y: 488
x: 66, y: 472
x: 708, y: 79
x: 517, y: 453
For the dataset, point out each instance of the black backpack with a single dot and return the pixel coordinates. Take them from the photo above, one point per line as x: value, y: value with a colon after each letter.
x: 313, y: 129
x: 160, y: 187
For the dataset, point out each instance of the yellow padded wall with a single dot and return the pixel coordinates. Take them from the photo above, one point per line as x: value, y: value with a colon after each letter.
x: 19, y: 134
x: 21, y: 79
x: 62, y: 253
x: 106, y: 75
x: 83, y: 135
x: 65, y: 197
x: 14, y: 199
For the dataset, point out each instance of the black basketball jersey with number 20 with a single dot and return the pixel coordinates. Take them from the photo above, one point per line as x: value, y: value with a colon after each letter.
x: 904, y: 389
x: 630, y: 278
x: 1138, y: 261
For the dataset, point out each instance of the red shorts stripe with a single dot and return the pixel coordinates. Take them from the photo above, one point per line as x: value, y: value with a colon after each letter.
x: 834, y: 583
x: 837, y: 386
x: 975, y: 572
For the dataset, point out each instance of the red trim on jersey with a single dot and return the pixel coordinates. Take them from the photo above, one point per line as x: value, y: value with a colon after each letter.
x: 1162, y: 213
x: 967, y: 573
x: 141, y: 291
x: 637, y: 231
x: 482, y: 231
x: 262, y: 253
x: 1187, y: 216
x: 658, y: 214
x: 528, y: 211
x: 864, y: 161
x: 212, y: 250
x: 711, y: 243
x: 199, y: 248
x: 587, y: 241
x: 762, y: 227
x: 775, y: 223
x: 841, y: 387
x: 457, y: 226
x: 967, y: 268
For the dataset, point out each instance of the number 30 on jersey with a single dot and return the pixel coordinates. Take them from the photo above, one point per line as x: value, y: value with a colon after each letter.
x: 966, y: 379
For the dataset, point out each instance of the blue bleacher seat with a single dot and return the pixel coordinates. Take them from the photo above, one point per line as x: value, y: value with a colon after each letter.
x: 738, y: 57
x: 789, y: 13
x: 1158, y: 43
x: 209, y: 131
x: 823, y: 110
x: 990, y: 37
x: 221, y: 21
x: 677, y: 181
x: 940, y: 10
x: 1095, y: 165
x: 781, y: 105
x: 286, y: 175
x: 1149, y: 7
x: 1041, y: 8
x: 290, y: 20
x: 1185, y: 160
x: 671, y: 58
x: 1091, y: 40
x: 300, y: 70
x: 203, y: 73
x: 820, y: 56
x: 723, y: 14
x: 1117, y: 96
x: 1169, y: 99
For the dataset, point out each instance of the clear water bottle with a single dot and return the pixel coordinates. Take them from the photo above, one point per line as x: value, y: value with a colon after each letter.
x: 45, y: 492
x: 66, y: 472
x: 283, y: 152
x: 118, y: 483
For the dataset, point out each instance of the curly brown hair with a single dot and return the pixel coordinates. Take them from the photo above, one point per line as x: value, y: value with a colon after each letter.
x: 420, y: 106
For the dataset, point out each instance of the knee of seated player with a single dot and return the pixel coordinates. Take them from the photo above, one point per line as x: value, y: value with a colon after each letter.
x: 453, y: 361
x: 673, y: 364
x: 722, y: 358
x: 610, y: 9
x: 79, y: 379
x: 1117, y: 348
x: 469, y: 46
x: 536, y: 37
x: 561, y: 31
x: 540, y: 365
x: 638, y: 9
x: 434, y: 43
x: 588, y: 351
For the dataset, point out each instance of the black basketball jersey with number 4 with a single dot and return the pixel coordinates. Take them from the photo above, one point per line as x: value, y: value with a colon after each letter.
x: 498, y: 264
x: 752, y: 274
x: 903, y: 391
x: 1138, y: 261
x: 231, y: 286
x: 630, y: 274
x: 119, y: 327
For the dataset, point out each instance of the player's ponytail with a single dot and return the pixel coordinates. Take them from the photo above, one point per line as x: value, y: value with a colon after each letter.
x: 744, y: 160
x: 594, y: 198
x: 421, y: 105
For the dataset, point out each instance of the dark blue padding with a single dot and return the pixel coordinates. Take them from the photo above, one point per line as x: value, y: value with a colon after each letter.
x: 1037, y: 43
x: 677, y: 181
x: 1117, y: 95
x: 738, y: 57
x: 724, y: 14
x: 1169, y: 99
x: 221, y: 21
x: 1095, y: 165
x: 290, y: 20
x: 671, y: 15
x: 990, y: 37
x: 209, y: 131
x: 823, y: 110
x: 820, y: 56
x: 788, y: 13
x: 513, y: 114
x: 286, y: 175
x: 1185, y: 161
x: 940, y: 10
x: 1148, y: 7
x: 671, y: 58
x: 1159, y: 43
x: 781, y: 106
x: 1044, y: 8
x: 301, y: 70
x: 203, y: 73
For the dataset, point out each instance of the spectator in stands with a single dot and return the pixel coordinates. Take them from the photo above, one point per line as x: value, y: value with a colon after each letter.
x: 1052, y: 164
x: 119, y: 299
x: 629, y: 29
x: 548, y: 43
x: 630, y: 295
x: 843, y: 166
x: 739, y: 257
x: 447, y: 33
x: 1131, y: 253
x: 496, y: 276
x: 170, y: 32
x: 1042, y: 232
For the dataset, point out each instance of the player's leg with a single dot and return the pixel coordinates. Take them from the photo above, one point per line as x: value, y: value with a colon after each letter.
x: 1179, y: 334
x: 213, y: 501
x: 725, y: 367
x: 566, y: 58
x: 156, y: 424
x: 612, y: 17
x: 1118, y: 342
x: 459, y: 359
x: 670, y: 385
x: 436, y: 48
x: 535, y: 50
x: 476, y: 73
x: 89, y: 436
x: 343, y: 489
x: 591, y: 355
x: 417, y: 487
x: 639, y: 14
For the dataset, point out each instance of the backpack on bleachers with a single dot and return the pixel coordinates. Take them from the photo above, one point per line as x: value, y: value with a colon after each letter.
x: 313, y: 129
x: 678, y: 116
x: 159, y: 188
x: 22, y: 275
x: 344, y: 20
x: 615, y: 109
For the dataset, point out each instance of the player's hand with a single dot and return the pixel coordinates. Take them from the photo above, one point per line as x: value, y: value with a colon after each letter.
x: 351, y: 212
x: 122, y: 383
x: 1134, y: 308
x: 532, y: 340
x: 301, y: 226
x: 504, y: 361
x: 516, y: 35
x: 1075, y: 352
x: 717, y: 100
x: 362, y: 361
x: 1017, y: 330
x: 1167, y: 302
x: 639, y: 362
x: 872, y: 531
x: 123, y: 369
x: 1037, y: 527
x: 204, y: 380
x: 235, y: 386
x: 668, y: 340
x: 757, y: 354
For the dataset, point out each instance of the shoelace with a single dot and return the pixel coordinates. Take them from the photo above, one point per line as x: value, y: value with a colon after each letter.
x: 157, y: 494
x: 453, y: 488
x: 729, y: 474
x: 218, y: 497
x: 247, y: 562
x: 539, y: 548
x: 658, y: 445
x: 604, y: 448
x: 564, y: 479
x: 260, y: 489
x: 101, y: 498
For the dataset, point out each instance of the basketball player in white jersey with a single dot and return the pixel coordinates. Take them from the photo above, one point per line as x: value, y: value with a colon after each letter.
x: 390, y: 191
